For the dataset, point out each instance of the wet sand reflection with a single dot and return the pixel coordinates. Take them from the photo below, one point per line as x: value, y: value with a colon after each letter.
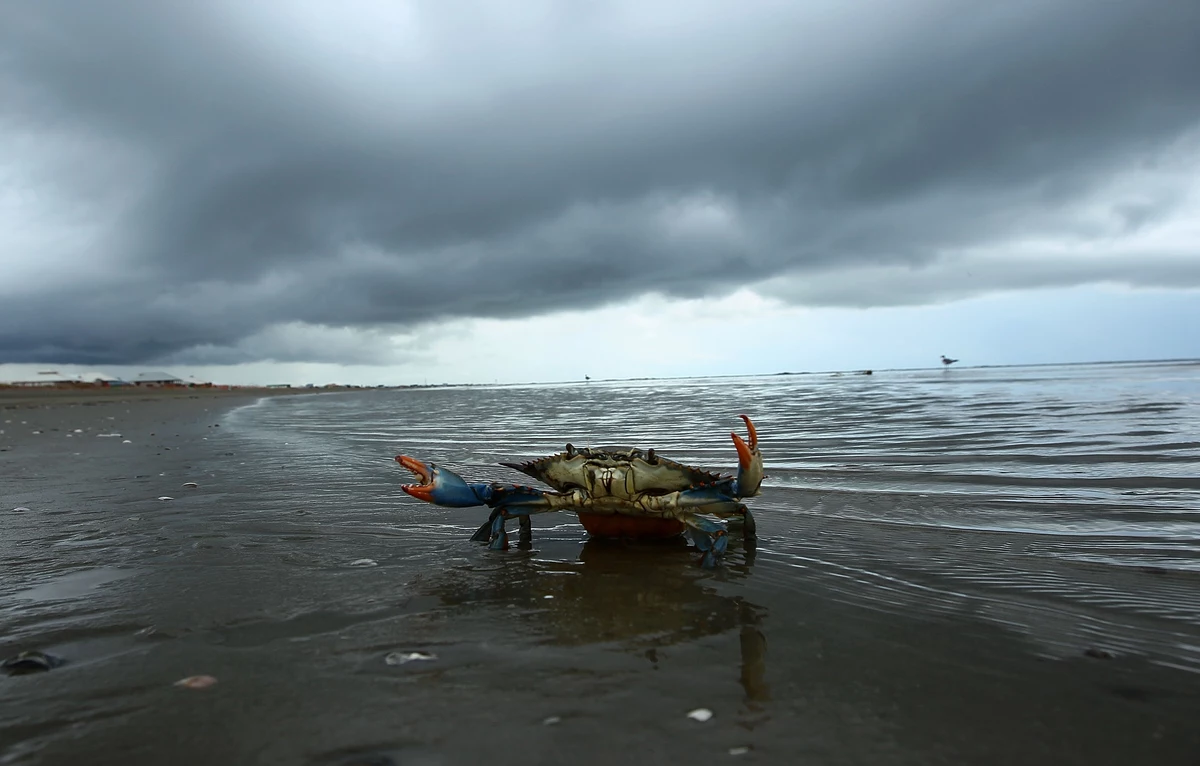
x: 643, y: 597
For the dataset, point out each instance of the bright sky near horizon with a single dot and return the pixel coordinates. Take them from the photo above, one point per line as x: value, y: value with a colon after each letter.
x: 375, y: 192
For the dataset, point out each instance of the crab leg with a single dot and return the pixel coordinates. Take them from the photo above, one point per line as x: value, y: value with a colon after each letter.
x: 749, y: 527
x: 484, y: 533
x: 708, y: 536
x: 742, y: 514
x: 493, y: 531
x: 441, y: 486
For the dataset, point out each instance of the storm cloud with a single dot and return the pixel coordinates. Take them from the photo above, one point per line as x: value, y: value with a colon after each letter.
x: 225, y: 181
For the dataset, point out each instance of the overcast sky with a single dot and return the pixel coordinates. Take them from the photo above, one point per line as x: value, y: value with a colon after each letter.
x: 388, y: 192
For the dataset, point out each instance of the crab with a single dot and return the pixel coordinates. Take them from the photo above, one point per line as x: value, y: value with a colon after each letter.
x: 615, y: 491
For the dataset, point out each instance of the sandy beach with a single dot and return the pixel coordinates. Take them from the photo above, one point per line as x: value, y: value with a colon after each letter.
x: 346, y: 625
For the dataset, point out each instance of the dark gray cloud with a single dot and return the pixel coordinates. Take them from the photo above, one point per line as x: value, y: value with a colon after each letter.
x: 200, y: 182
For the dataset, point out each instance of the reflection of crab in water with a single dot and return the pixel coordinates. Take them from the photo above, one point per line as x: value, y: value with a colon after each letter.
x: 615, y: 594
x: 616, y: 491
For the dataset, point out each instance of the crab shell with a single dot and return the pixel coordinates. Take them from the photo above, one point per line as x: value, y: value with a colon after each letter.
x: 620, y: 475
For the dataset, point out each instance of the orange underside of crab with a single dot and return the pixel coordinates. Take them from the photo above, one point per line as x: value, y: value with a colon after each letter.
x: 635, y: 527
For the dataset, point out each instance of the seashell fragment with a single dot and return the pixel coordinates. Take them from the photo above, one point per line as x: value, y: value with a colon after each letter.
x: 403, y: 658
x: 700, y: 714
x: 195, y: 682
x: 30, y: 662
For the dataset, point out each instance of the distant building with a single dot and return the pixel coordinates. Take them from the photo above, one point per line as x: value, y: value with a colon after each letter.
x: 41, y: 383
x: 101, y: 379
x: 157, y: 380
x: 50, y: 379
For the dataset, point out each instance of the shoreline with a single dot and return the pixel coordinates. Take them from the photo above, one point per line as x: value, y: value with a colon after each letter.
x: 17, y: 398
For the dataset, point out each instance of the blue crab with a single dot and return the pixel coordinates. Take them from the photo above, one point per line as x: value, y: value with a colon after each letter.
x: 615, y: 491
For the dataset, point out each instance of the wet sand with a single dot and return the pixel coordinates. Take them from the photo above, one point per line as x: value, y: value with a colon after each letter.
x: 293, y: 592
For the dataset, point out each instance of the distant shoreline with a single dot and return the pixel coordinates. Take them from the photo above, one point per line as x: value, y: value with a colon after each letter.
x: 11, y: 395
x: 17, y: 397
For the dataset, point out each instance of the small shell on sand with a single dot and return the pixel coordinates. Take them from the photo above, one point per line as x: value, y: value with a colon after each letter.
x: 364, y: 563
x: 196, y: 682
x: 700, y: 714
x: 30, y: 662
x: 126, y: 441
x: 190, y: 484
x: 164, y: 497
x: 20, y: 509
x: 403, y: 658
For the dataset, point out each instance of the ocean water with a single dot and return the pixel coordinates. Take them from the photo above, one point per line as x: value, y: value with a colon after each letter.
x: 971, y: 565
x: 1084, y: 464
x: 1078, y: 483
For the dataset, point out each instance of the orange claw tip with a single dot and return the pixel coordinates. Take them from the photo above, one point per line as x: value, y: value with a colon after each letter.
x: 750, y: 427
x: 745, y: 456
x: 421, y: 492
x: 418, y: 468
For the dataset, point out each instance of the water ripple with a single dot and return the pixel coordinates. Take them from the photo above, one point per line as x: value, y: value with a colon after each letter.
x: 1073, y: 488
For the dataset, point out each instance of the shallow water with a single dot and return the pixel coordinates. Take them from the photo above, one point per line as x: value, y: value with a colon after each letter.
x: 953, y: 566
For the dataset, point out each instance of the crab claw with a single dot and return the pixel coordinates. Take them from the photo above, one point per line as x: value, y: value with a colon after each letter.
x: 750, y: 468
x: 439, y: 486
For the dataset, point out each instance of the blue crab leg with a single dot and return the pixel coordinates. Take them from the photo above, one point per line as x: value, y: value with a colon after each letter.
x: 499, y: 536
x: 708, y: 536
x: 493, y: 532
x: 484, y: 533
x: 742, y: 514
x: 441, y: 486
x: 749, y: 527
x: 715, y: 498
